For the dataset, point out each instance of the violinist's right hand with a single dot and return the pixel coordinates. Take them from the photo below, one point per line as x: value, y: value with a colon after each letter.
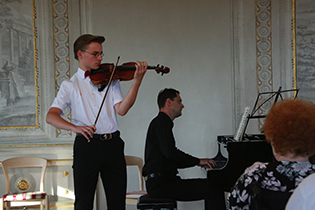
x: 86, y: 131
x: 207, y: 163
x: 53, y: 118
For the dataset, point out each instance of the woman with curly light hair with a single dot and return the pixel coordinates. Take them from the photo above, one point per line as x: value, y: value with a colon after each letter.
x: 290, y: 128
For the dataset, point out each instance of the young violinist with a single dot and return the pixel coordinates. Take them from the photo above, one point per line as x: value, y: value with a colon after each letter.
x: 98, y: 148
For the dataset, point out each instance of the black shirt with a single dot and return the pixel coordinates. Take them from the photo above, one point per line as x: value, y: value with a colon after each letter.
x: 161, y: 154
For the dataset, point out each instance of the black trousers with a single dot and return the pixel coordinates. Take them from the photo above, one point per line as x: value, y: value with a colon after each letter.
x: 186, y: 190
x: 99, y: 157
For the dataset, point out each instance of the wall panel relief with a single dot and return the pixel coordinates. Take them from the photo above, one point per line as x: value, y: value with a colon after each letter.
x: 35, y: 59
x: 264, y: 52
x: 61, y: 49
x: 236, y: 74
x: 304, y: 47
x: 18, y: 66
x: 262, y: 40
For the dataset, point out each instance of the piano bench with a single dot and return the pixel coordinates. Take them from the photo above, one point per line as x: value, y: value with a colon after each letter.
x: 146, y: 202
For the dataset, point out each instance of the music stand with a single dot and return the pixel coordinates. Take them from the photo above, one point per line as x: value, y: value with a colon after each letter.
x: 274, y: 94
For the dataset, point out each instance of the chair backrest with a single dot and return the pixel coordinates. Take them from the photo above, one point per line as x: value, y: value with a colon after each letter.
x: 136, y: 161
x: 275, y: 200
x: 263, y: 199
x: 24, y: 162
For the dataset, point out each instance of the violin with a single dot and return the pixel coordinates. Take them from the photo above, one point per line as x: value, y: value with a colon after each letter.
x: 108, y: 72
x: 124, y: 72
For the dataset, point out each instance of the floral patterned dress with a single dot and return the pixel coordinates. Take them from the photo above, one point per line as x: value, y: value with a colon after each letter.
x: 282, y: 176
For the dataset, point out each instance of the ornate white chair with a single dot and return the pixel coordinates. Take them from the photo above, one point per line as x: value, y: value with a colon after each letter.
x: 21, y: 186
x: 132, y: 197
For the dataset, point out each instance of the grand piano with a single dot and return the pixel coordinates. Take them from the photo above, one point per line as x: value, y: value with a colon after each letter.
x: 241, y: 154
x: 244, y: 150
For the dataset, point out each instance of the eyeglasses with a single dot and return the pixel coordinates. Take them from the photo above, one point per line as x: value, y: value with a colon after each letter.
x: 95, y: 54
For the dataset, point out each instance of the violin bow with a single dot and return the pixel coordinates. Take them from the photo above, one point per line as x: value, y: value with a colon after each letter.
x: 108, y: 84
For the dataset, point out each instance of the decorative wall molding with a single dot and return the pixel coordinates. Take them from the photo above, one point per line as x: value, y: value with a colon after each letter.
x: 282, y: 25
x: 85, y: 14
x: 285, y: 36
x: 264, y: 45
x: 264, y: 52
x: 62, y: 51
x: 293, y: 41
x: 236, y: 78
x: 273, y: 47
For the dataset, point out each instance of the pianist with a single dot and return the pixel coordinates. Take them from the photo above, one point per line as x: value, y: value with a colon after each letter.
x: 162, y: 159
x: 289, y: 127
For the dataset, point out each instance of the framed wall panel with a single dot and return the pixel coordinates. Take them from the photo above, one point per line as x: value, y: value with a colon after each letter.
x: 35, y: 60
x: 18, y: 62
x: 304, y: 47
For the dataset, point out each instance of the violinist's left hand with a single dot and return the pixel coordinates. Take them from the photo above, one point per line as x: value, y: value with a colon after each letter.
x: 141, y: 69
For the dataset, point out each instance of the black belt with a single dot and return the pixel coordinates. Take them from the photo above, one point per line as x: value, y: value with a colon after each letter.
x: 150, y: 176
x: 105, y: 136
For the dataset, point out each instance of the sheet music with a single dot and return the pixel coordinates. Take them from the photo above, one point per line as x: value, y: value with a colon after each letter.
x: 242, y: 124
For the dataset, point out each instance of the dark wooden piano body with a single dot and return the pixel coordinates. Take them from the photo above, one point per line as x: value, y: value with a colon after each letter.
x: 240, y: 156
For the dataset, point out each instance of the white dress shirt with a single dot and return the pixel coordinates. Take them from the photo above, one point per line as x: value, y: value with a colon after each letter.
x: 84, y: 99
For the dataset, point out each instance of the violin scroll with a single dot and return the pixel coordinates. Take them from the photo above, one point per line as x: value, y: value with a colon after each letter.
x: 163, y: 70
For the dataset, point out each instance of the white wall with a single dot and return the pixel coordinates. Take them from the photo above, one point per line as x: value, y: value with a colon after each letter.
x: 193, y: 38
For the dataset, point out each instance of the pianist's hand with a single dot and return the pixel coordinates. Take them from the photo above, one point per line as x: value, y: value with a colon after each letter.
x: 207, y: 163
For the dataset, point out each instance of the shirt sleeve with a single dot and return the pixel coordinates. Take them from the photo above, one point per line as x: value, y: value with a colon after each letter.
x: 118, y: 96
x: 170, y: 151
x: 62, y: 100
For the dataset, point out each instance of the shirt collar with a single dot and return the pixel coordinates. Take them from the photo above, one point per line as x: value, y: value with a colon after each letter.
x: 81, y: 73
x: 166, y: 117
